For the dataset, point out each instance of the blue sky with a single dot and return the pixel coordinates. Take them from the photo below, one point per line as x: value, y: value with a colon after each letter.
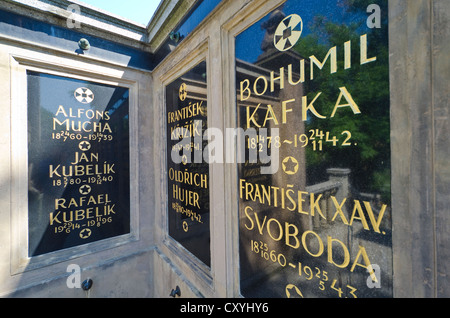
x: 140, y: 11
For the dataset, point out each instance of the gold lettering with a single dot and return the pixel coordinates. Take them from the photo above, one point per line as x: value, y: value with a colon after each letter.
x: 300, y: 202
x: 54, y: 218
x: 260, y: 226
x: 339, y: 210
x: 272, y: 117
x: 321, y: 248
x: 315, y: 205
x: 252, y: 118
x: 185, y: 196
x: 291, y: 235
x: 241, y: 188
x: 255, y: 85
x: 280, y: 229
x: 246, y: 89
x: 363, y: 52
x: 285, y: 110
x: 61, y: 110
x: 302, y: 73
x: 273, y: 78
x: 350, y: 102
x: 347, y: 55
x: 330, y: 252
x: 362, y: 252
x: 249, y: 218
x: 84, y: 158
x: 310, y: 106
x: 357, y: 208
x: 333, y: 64
x: 375, y: 223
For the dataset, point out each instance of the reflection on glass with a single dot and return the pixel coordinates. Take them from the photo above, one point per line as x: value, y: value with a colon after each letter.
x: 320, y: 226
x: 188, y: 172
x: 78, y: 162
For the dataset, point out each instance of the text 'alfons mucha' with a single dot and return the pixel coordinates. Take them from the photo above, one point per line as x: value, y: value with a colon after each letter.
x: 316, y: 73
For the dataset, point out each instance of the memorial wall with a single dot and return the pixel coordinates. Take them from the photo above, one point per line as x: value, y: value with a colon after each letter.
x: 228, y: 149
x: 313, y: 83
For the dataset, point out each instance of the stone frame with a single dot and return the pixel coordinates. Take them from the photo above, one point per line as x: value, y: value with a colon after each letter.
x: 419, y: 116
x: 20, y: 261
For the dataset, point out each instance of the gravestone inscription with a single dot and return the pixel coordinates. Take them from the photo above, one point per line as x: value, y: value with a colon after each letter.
x: 78, y: 162
x: 319, y: 226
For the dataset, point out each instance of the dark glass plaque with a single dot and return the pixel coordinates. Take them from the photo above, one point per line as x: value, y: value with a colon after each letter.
x: 78, y: 161
x: 188, y: 171
x: 320, y: 226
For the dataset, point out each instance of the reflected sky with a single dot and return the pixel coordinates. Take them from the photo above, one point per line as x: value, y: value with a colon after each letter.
x: 309, y: 10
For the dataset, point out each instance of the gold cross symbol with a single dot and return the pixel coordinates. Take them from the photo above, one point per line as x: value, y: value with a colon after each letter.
x: 183, y: 92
